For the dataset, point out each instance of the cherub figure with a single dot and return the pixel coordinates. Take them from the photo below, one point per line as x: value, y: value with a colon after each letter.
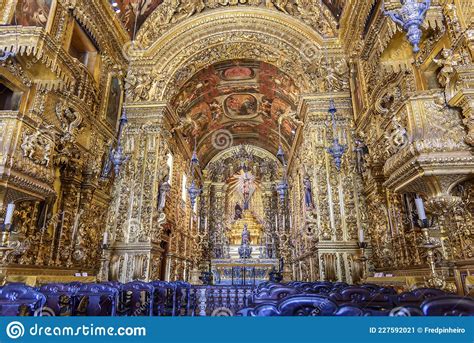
x: 278, y: 4
x: 290, y: 116
x: 448, y: 61
x: 70, y: 121
x: 29, y: 143
x: 186, y: 124
x: 216, y: 110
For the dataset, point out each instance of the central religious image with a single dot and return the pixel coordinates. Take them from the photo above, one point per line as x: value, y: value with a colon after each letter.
x: 245, y: 105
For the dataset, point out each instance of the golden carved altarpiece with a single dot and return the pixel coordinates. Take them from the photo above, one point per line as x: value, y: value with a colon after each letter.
x: 414, y: 113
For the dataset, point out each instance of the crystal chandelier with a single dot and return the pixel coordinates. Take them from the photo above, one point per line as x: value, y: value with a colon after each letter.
x: 410, y: 17
x: 337, y: 150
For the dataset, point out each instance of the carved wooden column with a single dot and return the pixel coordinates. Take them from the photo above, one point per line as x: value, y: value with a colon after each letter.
x: 331, y: 227
x: 134, y: 218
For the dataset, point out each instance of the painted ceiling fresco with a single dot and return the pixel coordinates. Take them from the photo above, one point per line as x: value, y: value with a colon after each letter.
x: 129, y: 10
x: 32, y: 12
x: 240, y: 100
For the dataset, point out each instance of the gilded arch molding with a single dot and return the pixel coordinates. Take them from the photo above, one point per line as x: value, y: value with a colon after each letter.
x: 255, y: 150
x: 157, y: 73
x: 171, y: 13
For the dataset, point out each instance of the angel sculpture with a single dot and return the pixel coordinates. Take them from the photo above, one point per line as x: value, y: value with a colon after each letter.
x: 290, y: 116
x: 186, y: 125
x: 448, y: 61
x: 70, y: 121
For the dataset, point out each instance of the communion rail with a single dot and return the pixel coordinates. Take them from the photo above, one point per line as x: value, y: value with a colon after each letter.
x: 159, y: 298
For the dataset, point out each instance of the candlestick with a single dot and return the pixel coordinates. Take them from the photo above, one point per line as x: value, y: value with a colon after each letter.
x: 76, y: 225
x: 361, y: 235
x: 9, y: 214
x: 106, y: 237
x: 420, y: 208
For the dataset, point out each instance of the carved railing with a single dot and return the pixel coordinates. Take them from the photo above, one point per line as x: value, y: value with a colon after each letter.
x: 220, y: 300
x: 161, y: 298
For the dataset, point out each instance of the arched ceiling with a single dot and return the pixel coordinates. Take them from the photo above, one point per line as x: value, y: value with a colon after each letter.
x: 236, y: 102
x: 170, y: 12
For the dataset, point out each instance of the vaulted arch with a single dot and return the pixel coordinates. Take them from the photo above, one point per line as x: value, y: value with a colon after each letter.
x: 158, y: 71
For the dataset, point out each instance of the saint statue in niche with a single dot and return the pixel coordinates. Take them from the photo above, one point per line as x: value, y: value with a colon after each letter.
x: 163, y: 192
x: 361, y: 150
x: 245, y: 250
x: 308, y: 196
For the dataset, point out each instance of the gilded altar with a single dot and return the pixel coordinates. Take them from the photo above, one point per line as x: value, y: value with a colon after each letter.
x: 253, y: 226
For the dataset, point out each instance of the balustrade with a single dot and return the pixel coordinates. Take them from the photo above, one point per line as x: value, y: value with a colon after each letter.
x: 159, y: 298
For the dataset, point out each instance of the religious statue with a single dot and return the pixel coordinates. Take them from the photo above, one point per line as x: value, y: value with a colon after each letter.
x: 237, y: 212
x: 106, y: 163
x: 245, y: 235
x: 448, y: 61
x: 361, y: 150
x: 246, y: 187
x: 308, y: 196
x: 164, y: 190
x: 70, y: 121
x: 245, y: 250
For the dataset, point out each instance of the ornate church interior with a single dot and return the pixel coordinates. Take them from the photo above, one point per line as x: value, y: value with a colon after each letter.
x: 237, y: 157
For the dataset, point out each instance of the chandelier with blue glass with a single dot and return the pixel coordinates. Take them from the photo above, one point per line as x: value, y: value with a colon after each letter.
x: 336, y: 150
x: 410, y: 17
